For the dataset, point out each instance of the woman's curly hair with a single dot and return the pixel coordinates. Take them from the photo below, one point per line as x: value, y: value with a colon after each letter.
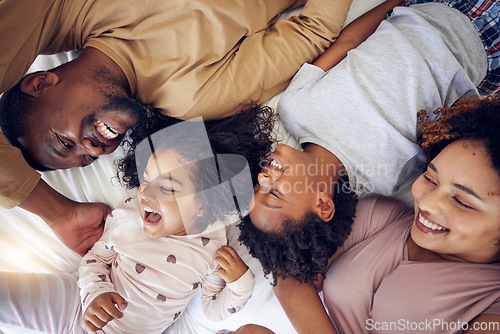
x: 247, y: 133
x: 476, y: 118
x: 302, y: 248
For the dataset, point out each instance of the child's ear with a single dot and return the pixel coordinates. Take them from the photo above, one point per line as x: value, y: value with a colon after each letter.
x: 325, y: 208
x: 36, y: 83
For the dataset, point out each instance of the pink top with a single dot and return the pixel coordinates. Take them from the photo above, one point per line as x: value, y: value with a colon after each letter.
x: 373, y: 287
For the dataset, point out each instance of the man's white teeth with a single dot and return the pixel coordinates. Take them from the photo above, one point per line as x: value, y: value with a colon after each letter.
x: 276, y: 164
x: 107, y: 131
x: 148, y: 210
x: 428, y: 224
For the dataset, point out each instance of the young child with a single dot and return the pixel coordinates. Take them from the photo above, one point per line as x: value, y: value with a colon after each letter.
x: 157, y: 249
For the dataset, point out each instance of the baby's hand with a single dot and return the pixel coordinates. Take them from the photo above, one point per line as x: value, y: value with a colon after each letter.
x: 102, y: 310
x: 232, y: 266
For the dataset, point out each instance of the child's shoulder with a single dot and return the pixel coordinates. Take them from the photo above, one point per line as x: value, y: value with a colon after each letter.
x: 214, y: 237
x: 127, y: 209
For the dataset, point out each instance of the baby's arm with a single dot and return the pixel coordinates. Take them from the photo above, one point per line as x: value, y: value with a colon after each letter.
x: 96, y: 290
x: 232, y: 266
x: 102, y: 310
x: 354, y: 34
x: 227, y: 290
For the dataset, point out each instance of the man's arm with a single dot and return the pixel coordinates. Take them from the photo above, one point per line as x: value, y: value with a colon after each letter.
x: 266, y: 61
x: 77, y: 225
x: 354, y: 34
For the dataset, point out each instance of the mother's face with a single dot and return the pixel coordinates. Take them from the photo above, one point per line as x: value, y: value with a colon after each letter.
x: 457, y: 204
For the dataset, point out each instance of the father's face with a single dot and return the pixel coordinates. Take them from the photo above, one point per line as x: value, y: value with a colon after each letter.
x: 73, y: 125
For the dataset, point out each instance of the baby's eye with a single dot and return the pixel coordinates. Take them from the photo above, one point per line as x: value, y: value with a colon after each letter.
x: 167, y: 190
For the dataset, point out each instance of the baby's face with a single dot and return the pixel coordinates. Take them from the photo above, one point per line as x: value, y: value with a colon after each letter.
x: 167, y: 196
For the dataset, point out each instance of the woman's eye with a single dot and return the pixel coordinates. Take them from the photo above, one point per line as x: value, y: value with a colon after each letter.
x: 428, y: 179
x: 462, y: 203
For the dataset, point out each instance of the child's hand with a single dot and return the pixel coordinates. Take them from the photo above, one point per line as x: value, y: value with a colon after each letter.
x: 232, y: 266
x: 102, y: 310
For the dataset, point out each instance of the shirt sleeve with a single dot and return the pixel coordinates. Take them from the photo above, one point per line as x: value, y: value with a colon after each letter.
x: 493, y: 308
x: 17, y: 178
x: 266, y: 61
x: 219, y: 300
x: 372, y: 215
x: 94, y: 273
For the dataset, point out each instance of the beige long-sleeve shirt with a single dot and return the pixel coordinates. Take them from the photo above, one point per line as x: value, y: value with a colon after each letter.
x: 186, y: 58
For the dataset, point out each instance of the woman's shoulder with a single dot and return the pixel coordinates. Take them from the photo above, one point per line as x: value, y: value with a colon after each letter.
x: 381, y: 209
x: 375, y: 214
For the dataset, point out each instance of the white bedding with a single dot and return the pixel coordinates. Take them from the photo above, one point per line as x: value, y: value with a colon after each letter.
x: 28, y: 245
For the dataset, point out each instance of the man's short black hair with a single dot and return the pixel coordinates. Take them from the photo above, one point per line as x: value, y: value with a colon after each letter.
x: 14, y: 107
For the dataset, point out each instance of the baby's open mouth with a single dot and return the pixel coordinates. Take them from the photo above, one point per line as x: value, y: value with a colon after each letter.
x: 151, y: 216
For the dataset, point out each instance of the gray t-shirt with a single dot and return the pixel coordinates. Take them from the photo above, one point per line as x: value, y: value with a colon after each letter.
x: 364, y: 110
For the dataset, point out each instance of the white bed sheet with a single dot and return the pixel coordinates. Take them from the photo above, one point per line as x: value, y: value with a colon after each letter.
x: 28, y: 245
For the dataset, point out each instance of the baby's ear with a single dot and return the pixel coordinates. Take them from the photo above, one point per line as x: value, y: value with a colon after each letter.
x: 35, y: 84
x: 325, y: 207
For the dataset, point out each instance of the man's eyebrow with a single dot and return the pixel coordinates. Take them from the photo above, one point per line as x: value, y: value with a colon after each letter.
x: 53, y: 149
x: 467, y: 190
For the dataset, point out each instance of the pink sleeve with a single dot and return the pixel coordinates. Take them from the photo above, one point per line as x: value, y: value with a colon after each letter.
x: 372, y: 215
x: 95, y: 268
x: 493, y: 308
x: 220, y: 300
